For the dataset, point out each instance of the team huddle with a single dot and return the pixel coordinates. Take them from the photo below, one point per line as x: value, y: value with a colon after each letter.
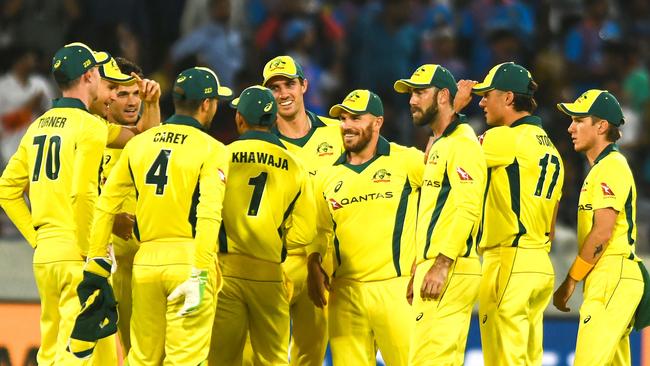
x: 309, y: 230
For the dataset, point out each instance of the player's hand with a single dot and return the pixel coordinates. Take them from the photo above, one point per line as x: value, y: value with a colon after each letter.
x: 464, y: 94
x: 435, y: 278
x: 563, y: 294
x: 123, y: 225
x: 95, y: 277
x: 409, y: 290
x: 192, y: 289
x: 149, y: 89
x: 317, y: 280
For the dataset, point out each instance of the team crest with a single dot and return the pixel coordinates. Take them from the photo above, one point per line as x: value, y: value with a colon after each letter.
x: 277, y: 64
x: 606, y: 190
x: 382, y: 175
x: 335, y: 205
x: 352, y: 97
x: 433, y: 157
x: 324, y: 149
x: 584, y: 187
x: 463, y: 175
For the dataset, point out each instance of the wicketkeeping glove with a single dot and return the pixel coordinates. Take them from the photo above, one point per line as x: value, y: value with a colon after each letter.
x: 192, y: 289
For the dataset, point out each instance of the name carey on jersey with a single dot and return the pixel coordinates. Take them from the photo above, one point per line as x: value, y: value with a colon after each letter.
x: 255, y: 157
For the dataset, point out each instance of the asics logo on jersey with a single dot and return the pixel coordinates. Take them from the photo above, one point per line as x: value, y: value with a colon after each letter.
x: 484, y: 319
x: 587, y: 319
x: 324, y: 149
x: 606, y: 190
x: 335, y: 205
x: 382, y: 175
x: 463, y: 175
x: 417, y: 318
x: 268, y: 106
x: 338, y: 186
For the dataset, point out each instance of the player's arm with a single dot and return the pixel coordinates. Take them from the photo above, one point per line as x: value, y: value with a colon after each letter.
x: 498, y: 146
x: 302, y: 231
x: 592, y: 250
x: 212, y: 187
x: 317, y: 278
x: 13, y: 183
x: 150, y: 93
x: 466, y: 174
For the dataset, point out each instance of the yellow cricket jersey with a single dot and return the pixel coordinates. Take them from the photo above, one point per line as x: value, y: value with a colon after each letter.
x: 120, y: 246
x: 371, y: 209
x: 525, y: 178
x: 268, y: 187
x: 179, y: 174
x: 610, y: 184
x: 58, y: 161
x: 449, y: 213
x: 320, y: 147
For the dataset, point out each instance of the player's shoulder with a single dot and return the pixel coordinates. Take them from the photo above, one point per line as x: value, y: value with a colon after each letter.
x: 328, y: 121
x: 406, y: 153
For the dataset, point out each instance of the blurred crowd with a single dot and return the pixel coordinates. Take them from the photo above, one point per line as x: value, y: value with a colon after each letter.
x: 568, y: 45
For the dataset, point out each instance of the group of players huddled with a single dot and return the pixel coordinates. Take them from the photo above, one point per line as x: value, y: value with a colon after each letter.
x: 310, y: 230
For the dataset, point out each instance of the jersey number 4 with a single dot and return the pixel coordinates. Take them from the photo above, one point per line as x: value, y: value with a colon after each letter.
x: 543, y: 163
x: 52, y: 160
x: 157, y: 174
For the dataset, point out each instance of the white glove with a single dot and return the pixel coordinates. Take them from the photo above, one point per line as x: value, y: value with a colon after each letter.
x: 192, y: 289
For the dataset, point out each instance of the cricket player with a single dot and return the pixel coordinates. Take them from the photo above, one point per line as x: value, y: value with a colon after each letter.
x: 58, y: 162
x: 606, y: 235
x: 179, y: 174
x: 124, y: 111
x: 445, y: 281
x: 268, y: 211
x: 316, y: 141
x: 526, y: 175
x: 368, y: 202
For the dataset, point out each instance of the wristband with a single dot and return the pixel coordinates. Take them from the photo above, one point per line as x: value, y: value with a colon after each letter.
x: 580, y: 269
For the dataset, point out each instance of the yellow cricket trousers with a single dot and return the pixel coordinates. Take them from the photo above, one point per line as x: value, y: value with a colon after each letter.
x: 255, y: 298
x: 159, y: 336
x: 121, y: 282
x: 308, y: 323
x: 366, y: 316
x: 57, y: 282
x: 516, y: 287
x: 440, y: 330
x: 612, y: 293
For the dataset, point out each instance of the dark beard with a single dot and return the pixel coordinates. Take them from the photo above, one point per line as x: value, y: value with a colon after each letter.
x: 427, y: 117
x: 364, y: 140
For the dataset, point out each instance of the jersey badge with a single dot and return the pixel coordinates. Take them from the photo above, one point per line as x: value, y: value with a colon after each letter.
x: 382, y: 175
x: 463, y: 175
x: 324, y: 149
x: 606, y: 190
x: 335, y: 205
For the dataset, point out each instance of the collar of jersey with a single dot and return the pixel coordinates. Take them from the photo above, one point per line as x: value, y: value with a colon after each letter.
x: 179, y: 119
x: 458, y: 120
x: 68, y: 103
x: 383, y: 148
x: 261, y: 135
x: 315, y: 123
x: 528, y: 120
x: 610, y: 148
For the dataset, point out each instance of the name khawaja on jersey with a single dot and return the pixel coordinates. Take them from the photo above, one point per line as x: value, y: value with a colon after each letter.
x: 256, y: 157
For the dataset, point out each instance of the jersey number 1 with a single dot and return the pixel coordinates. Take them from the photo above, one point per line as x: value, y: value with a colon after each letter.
x: 53, y: 159
x: 259, y: 183
x: 543, y: 162
x: 157, y: 174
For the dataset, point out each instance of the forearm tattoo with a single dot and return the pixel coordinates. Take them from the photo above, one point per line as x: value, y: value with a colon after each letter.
x: 599, y: 249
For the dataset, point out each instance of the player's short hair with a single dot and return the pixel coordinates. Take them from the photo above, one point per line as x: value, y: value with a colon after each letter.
x: 613, y: 132
x: 65, y: 84
x: 127, y: 66
x: 187, y: 106
x: 526, y: 103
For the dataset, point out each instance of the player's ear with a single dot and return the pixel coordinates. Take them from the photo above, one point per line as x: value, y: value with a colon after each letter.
x: 304, y: 85
x: 379, y: 121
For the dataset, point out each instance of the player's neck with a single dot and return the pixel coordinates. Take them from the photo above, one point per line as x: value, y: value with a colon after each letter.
x: 360, y: 157
x: 443, y: 119
x: 513, y: 117
x: 78, y: 93
x: 593, y: 152
x: 296, y: 127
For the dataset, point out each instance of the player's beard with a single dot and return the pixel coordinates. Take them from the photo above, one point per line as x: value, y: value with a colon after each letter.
x: 363, y: 139
x: 429, y: 115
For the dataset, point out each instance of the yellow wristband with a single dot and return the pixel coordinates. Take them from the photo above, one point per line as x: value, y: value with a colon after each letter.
x: 580, y: 269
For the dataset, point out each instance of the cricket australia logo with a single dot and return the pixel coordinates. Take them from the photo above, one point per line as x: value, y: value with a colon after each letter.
x: 382, y: 175
x: 352, y: 97
x: 433, y: 158
x: 324, y: 149
x: 276, y: 64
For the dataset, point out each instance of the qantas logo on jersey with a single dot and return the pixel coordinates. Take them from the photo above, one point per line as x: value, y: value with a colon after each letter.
x: 252, y: 157
x: 431, y: 183
x: 381, y: 175
x: 360, y: 198
x: 222, y: 175
x: 606, y: 190
x: 481, y: 137
x: 585, y: 207
x: 325, y: 149
x: 463, y: 175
